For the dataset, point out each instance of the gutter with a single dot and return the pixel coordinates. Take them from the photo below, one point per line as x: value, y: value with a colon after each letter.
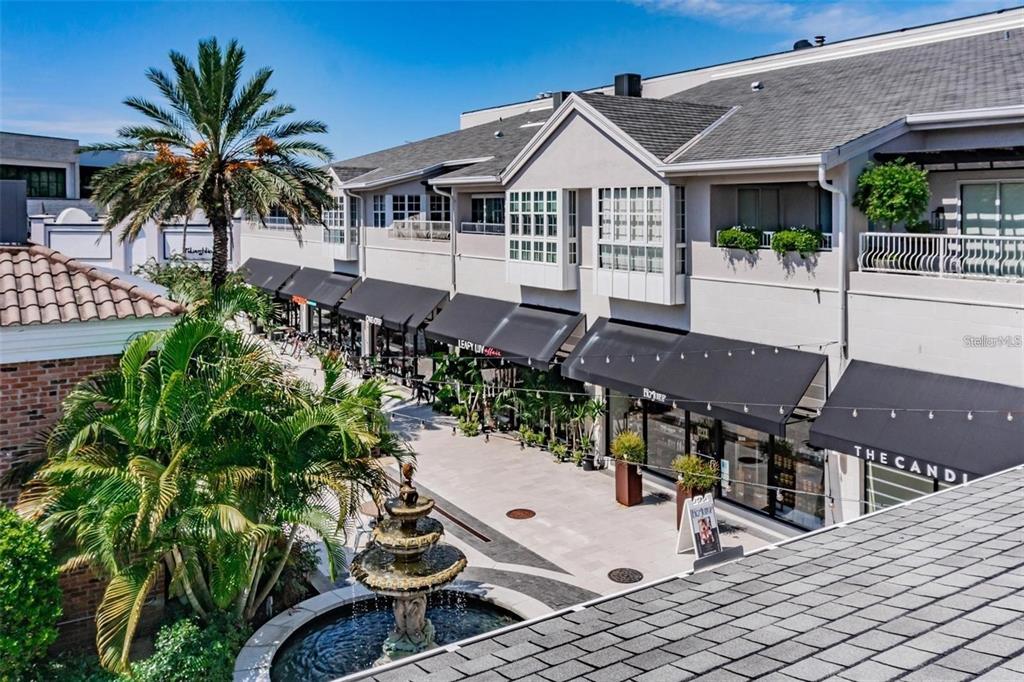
x: 754, y: 165
x: 454, y: 231
x: 839, y: 230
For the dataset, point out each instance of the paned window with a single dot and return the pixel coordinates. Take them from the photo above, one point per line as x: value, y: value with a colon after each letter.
x: 534, y: 213
x: 380, y: 216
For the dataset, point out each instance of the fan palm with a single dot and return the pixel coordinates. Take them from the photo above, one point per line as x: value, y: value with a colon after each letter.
x: 199, y: 456
x: 217, y: 144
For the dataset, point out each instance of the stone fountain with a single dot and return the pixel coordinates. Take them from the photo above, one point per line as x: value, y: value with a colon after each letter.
x: 407, y: 561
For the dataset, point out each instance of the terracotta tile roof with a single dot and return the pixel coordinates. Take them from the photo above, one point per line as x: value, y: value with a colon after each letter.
x: 41, y: 286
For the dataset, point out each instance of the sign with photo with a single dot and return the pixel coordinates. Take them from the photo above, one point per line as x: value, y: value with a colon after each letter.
x: 700, y: 527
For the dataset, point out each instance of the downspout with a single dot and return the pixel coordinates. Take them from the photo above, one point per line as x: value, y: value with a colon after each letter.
x: 839, y: 232
x: 452, y: 232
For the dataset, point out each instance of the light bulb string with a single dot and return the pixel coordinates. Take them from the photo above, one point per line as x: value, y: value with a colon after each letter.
x: 715, y: 402
x: 423, y: 421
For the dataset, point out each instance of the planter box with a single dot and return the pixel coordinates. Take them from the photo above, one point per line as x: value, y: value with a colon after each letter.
x: 628, y: 484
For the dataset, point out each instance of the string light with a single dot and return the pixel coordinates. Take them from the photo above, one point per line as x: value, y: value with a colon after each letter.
x: 931, y: 414
x: 730, y: 353
x: 682, y: 356
x: 632, y: 358
x: 753, y: 351
x: 705, y: 354
x: 657, y: 357
x: 892, y: 414
x: 781, y: 410
x: 607, y: 359
x: 709, y: 407
x: 746, y: 409
x: 855, y: 413
x: 1009, y: 416
x: 970, y: 416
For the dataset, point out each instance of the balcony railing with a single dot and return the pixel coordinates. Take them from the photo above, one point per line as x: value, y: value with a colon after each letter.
x: 424, y: 230
x: 483, y: 228
x: 943, y: 255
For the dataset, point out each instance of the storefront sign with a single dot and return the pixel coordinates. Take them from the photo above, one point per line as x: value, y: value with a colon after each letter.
x: 650, y: 394
x: 699, y: 529
x: 301, y: 300
x: 198, y: 243
x: 903, y: 463
x: 375, y: 320
x: 479, y: 349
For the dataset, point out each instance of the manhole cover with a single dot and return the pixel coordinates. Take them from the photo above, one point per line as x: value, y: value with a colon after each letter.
x: 625, y: 575
x: 520, y: 514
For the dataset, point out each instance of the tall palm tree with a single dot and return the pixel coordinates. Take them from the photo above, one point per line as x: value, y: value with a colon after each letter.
x: 197, y: 454
x: 217, y: 144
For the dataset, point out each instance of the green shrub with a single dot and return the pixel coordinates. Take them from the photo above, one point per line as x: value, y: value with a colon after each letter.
x: 740, y: 237
x: 470, y: 426
x: 186, y: 651
x: 30, y: 598
x: 560, y: 451
x: 695, y: 473
x: 803, y: 240
x: 578, y: 456
x: 628, y: 446
x: 920, y: 227
x: 77, y: 668
x: 893, y: 192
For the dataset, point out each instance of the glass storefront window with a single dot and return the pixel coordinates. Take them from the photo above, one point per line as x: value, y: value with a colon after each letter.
x: 666, y: 436
x: 885, y: 486
x: 800, y: 476
x: 625, y: 414
x: 745, y: 458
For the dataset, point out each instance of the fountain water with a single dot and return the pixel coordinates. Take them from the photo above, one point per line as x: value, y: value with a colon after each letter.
x: 407, y: 561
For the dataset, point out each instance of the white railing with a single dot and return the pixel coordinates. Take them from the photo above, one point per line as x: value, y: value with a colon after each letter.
x: 483, y: 228
x: 826, y: 240
x: 427, y: 230
x: 341, y: 235
x: 943, y: 255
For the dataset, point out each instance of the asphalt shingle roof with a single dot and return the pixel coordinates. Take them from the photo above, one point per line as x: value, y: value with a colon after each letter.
x: 469, y: 143
x: 815, y: 107
x: 659, y: 126
x: 41, y: 286
x: 931, y: 590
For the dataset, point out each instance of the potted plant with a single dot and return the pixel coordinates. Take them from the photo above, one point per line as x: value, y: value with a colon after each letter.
x: 560, y: 451
x: 696, y: 475
x: 470, y: 426
x: 740, y: 237
x: 803, y: 240
x: 586, y: 449
x: 629, y: 450
x: 579, y: 457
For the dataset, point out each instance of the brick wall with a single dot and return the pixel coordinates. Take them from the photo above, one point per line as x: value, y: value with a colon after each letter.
x: 32, y: 393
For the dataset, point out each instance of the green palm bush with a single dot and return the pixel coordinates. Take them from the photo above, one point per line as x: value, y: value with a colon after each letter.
x: 628, y: 446
x: 198, y: 455
x: 216, y: 143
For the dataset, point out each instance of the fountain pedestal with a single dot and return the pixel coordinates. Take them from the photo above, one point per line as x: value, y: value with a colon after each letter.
x: 407, y: 561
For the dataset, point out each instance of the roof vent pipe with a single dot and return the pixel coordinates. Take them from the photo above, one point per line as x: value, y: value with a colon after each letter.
x: 757, y: 85
x: 628, y: 85
x: 819, y: 40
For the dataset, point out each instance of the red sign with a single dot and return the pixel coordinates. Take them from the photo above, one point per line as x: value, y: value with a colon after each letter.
x: 301, y: 300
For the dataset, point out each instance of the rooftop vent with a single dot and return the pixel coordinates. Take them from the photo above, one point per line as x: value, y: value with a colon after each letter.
x: 498, y: 133
x: 802, y: 44
x: 628, y: 85
x: 819, y: 40
x: 558, y: 97
x: 757, y: 85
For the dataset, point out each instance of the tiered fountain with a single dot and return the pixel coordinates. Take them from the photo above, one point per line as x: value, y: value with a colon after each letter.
x: 407, y: 561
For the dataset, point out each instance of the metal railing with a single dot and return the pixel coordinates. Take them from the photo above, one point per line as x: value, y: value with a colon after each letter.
x: 482, y: 228
x: 943, y: 255
x: 426, y: 230
x: 766, y: 240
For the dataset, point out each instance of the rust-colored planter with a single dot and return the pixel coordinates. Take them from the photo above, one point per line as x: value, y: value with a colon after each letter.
x: 628, y: 484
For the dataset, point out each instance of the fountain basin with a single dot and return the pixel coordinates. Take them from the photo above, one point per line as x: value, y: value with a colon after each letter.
x: 347, y: 639
x: 389, y: 575
x: 406, y: 537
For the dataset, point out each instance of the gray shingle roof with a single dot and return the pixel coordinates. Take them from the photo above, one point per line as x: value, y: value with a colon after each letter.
x: 470, y: 143
x: 812, y: 108
x: 659, y: 126
x: 932, y: 590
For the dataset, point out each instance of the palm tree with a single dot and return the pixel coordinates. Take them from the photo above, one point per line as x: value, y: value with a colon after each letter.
x: 198, y: 455
x: 221, y: 146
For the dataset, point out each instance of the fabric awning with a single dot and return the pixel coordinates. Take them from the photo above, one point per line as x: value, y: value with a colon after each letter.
x: 322, y: 287
x: 392, y: 304
x: 948, y: 446
x: 523, y: 334
x: 667, y: 366
x: 266, y: 274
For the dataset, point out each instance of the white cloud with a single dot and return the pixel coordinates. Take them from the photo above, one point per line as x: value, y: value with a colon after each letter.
x: 835, y: 19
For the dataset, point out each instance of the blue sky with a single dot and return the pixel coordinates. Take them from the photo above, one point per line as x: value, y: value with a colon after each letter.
x: 384, y: 73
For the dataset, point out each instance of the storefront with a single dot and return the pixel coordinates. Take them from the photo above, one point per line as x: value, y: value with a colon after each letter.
x: 747, y: 406
x: 270, y: 276
x: 313, y: 296
x: 918, y: 432
x: 396, y: 315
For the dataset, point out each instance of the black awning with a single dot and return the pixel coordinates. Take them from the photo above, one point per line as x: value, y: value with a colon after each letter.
x: 322, y: 287
x: 759, y: 390
x: 946, y: 445
x: 392, y: 304
x: 266, y: 274
x: 525, y: 335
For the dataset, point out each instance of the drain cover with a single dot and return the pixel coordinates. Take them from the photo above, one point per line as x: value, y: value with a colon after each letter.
x: 520, y: 514
x: 625, y: 575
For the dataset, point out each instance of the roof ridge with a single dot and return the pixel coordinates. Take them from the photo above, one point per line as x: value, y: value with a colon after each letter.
x: 108, y: 278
